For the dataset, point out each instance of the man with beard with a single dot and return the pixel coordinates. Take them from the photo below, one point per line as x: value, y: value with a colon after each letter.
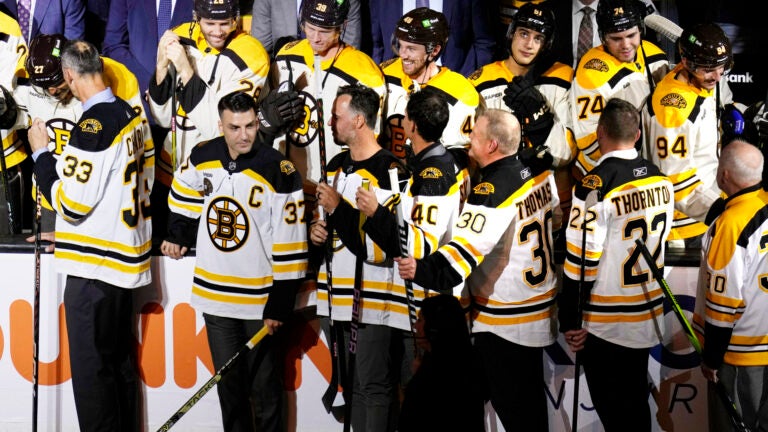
x: 682, y: 133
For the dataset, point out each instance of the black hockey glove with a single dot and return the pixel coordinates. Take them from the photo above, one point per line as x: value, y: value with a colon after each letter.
x: 7, y: 109
x: 531, y: 109
x: 279, y: 110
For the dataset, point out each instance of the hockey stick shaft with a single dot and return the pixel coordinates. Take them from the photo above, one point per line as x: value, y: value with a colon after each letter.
x: 589, y: 202
x: 722, y: 392
x: 333, y: 385
x: 355, y: 321
x: 36, y: 308
x: 6, y: 190
x: 255, y: 339
x: 174, y: 109
x: 402, y: 229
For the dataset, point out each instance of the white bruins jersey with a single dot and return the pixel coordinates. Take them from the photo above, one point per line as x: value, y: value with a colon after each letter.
x: 601, y: 76
x: 382, y: 301
x: 624, y: 302
x: 462, y: 100
x: 502, y: 245
x: 733, y: 280
x: 682, y: 139
x: 554, y: 84
x: 99, y: 189
x: 242, y: 65
x: 12, y: 54
x: 251, y: 234
x: 60, y: 119
x: 295, y: 63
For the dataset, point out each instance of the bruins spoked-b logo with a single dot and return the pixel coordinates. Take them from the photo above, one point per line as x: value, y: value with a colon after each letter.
x: 227, y: 224
x: 306, y: 132
x: 59, y: 130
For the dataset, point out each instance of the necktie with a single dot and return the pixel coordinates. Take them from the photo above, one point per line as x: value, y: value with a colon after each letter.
x: 422, y: 3
x: 163, y: 17
x: 24, y: 7
x: 585, y: 32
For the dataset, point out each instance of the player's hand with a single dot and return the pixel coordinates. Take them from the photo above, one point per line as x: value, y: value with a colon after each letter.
x: 366, y: 201
x: 318, y: 232
x: 177, y: 55
x: 327, y: 197
x: 173, y: 250
x: 406, y: 267
x: 272, y: 325
x: 531, y: 109
x: 37, y: 135
x: 49, y: 236
x: 575, y: 339
x: 709, y: 373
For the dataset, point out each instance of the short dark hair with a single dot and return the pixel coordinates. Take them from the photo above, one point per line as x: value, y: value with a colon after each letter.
x: 237, y: 102
x: 429, y: 111
x: 82, y: 57
x: 620, y: 120
x: 364, y: 101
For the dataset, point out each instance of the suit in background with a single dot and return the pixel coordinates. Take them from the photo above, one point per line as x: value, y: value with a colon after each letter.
x: 273, y: 19
x: 65, y: 17
x: 470, y: 45
x: 131, y: 37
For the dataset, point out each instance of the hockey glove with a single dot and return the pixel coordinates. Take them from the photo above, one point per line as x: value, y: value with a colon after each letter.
x: 531, y: 109
x: 7, y: 109
x: 279, y: 110
x: 732, y: 125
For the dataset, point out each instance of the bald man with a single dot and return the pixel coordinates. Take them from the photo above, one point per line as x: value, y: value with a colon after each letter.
x: 732, y: 284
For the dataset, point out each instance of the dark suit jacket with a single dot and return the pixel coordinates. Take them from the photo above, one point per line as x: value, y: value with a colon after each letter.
x: 131, y: 36
x: 472, y: 40
x: 65, y: 17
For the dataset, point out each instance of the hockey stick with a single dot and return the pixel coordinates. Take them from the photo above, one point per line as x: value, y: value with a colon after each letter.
x: 333, y: 384
x: 663, y: 26
x: 174, y: 108
x: 589, y: 202
x: 255, y: 339
x: 36, y: 309
x: 7, y: 190
x: 354, y: 323
x: 722, y: 392
x: 402, y: 229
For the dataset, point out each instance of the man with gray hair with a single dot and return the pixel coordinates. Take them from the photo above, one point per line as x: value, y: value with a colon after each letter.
x: 733, y: 278
x: 102, y: 176
x: 509, y: 213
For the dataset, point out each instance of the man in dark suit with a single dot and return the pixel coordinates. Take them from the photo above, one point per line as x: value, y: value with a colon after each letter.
x: 471, y: 43
x: 65, y: 17
x: 132, y: 35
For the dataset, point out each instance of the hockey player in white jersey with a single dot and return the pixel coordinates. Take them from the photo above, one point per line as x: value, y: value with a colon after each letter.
x: 318, y: 65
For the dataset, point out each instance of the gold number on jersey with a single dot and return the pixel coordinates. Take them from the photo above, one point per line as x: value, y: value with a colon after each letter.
x: 632, y: 228
x: 679, y: 147
x: 418, y: 214
x: 475, y: 221
x: 467, y: 125
x: 589, y: 106
x: 763, y: 281
x: 132, y: 177
x: 576, y: 219
x: 249, y: 87
x: 718, y: 284
x: 293, y: 209
x: 80, y: 170
x: 541, y: 250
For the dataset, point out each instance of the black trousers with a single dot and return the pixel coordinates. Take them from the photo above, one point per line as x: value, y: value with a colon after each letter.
x: 101, y: 353
x: 617, y: 377
x: 513, y: 379
x: 253, y: 388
